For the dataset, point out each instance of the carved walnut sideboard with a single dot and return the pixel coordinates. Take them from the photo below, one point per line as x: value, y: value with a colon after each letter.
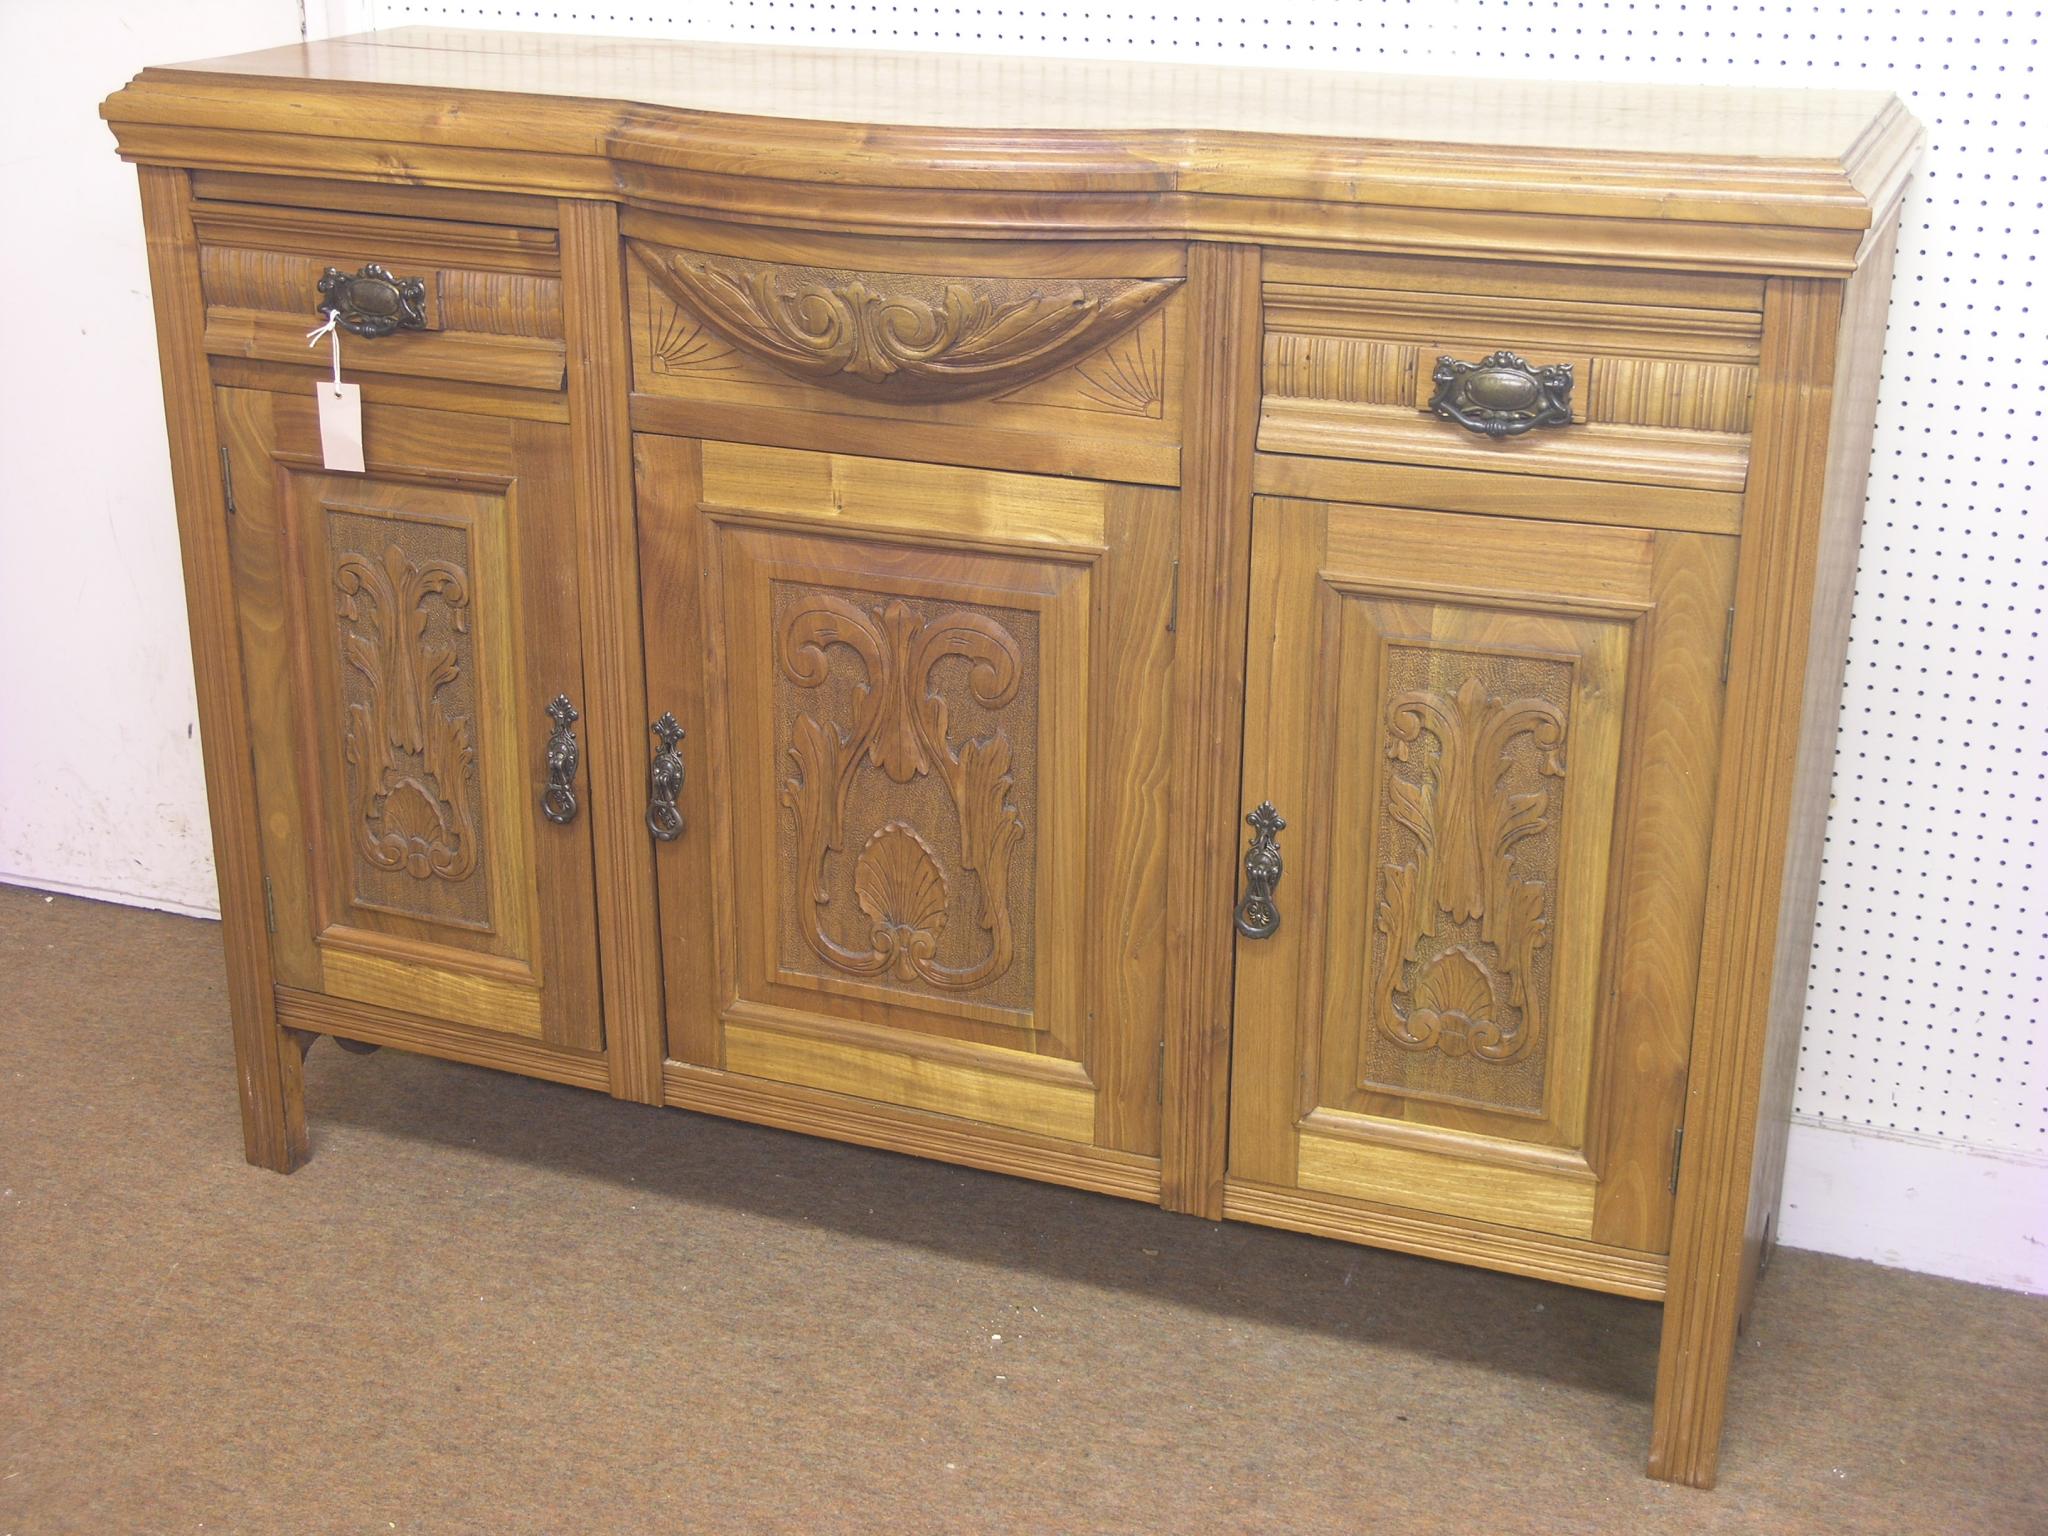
x: 1266, y: 643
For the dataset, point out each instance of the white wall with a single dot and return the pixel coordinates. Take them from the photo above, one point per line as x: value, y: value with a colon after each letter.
x: 1921, y: 1128
x: 100, y: 784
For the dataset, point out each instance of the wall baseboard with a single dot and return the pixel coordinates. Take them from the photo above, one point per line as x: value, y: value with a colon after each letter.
x: 33, y: 882
x: 1911, y: 1202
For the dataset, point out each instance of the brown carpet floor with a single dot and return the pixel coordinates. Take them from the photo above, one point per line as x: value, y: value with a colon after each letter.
x: 494, y: 1305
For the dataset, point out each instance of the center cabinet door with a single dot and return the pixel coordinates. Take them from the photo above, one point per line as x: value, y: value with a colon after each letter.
x: 921, y: 851
x: 1493, y: 742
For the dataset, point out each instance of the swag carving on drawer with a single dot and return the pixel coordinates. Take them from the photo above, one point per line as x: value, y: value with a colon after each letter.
x: 908, y: 337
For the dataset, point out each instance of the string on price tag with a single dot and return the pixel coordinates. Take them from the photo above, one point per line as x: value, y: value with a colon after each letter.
x: 341, y: 408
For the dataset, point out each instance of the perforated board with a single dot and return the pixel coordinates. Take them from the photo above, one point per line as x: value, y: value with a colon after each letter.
x: 1925, y: 1014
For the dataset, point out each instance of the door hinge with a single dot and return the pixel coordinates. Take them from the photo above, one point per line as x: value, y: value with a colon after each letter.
x: 1727, y: 644
x: 1173, y: 602
x: 270, y: 904
x: 227, y: 478
x: 1159, y: 1082
x: 1677, y: 1155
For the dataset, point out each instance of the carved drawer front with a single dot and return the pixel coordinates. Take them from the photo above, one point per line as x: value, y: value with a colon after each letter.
x: 924, y: 794
x: 475, y: 303
x: 1623, y: 376
x: 1056, y: 356
x: 410, y: 639
x: 1493, y: 741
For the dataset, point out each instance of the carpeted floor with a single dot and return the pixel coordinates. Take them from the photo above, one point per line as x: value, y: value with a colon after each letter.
x: 499, y: 1306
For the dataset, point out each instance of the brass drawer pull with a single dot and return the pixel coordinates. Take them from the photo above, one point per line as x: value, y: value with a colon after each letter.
x: 1257, y: 916
x: 1501, y: 395
x: 558, y: 800
x: 665, y: 781
x: 372, y: 302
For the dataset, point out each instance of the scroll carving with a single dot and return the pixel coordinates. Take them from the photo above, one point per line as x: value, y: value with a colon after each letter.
x: 899, y: 724
x: 1466, y: 821
x: 410, y: 756
x: 900, y: 337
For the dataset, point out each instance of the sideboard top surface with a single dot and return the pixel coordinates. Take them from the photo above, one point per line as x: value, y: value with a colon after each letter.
x: 1787, y: 162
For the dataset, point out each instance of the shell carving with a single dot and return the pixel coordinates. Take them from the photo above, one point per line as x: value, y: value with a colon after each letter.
x: 900, y: 337
x: 1454, y: 1004
x: 899, y: 886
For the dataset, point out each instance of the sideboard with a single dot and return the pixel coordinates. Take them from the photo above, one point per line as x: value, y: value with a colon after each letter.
x: 1266, y: 643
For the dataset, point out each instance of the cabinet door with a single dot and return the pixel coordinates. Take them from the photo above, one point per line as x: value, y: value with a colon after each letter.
x: 922, y: 850
x: 403, y: 632
x: 1493, y: 742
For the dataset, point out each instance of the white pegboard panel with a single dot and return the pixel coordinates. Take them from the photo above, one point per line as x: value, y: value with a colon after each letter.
x: 1925, y: 1014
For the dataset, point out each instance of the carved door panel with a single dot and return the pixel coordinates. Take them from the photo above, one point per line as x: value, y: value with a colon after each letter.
x: 405, y: 632
x: 1493, y: 742
x: 921, y: 851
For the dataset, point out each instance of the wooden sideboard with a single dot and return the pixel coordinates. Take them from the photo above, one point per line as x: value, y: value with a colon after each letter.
x: 1267, y: 643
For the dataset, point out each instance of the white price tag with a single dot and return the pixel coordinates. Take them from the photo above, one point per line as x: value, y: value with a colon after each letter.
x: 341, y: 409
x: 341, y: 425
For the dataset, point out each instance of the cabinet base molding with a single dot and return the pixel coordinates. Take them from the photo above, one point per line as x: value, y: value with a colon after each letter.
x: 915, y: 1133
x: 315, y: 1013
x: 1514, y: 1252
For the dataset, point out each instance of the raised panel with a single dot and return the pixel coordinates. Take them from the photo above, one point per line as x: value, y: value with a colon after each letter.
x: 406, y: 627
x: 408, y: 725
x: 404, y: 668
x: 924, y: 851
x: 914, y: 714
x: 908, y: 739
x: 1487, y: 782
x: 1488, y: 737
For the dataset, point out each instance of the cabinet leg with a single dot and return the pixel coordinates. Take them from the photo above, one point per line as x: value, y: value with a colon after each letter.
x: 270, y: 1069
x: 1693, y: 1364
x: 1685, y: 1429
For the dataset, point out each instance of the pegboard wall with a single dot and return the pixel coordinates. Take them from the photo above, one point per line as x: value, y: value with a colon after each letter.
x: 1924, y: 1016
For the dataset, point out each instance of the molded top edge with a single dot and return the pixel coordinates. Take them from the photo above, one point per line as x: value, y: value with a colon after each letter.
x: 1781, y: 157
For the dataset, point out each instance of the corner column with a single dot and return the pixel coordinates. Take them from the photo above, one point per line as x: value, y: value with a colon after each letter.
x: 268, y: 1066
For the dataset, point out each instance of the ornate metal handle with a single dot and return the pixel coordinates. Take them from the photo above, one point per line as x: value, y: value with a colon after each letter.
x: 1502, y: 396
x: 558, y: 800
x: 1257, y: 916
x: 372, y: 302
x: 665, y: 781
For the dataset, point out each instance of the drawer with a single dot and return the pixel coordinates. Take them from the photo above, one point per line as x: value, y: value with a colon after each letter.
x: 487, y: 309
x: 1062, y: 357
x: 1659, y: 389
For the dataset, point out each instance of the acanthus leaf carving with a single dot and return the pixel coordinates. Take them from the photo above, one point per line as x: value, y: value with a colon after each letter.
x: 1466, y: 828
x: 900, y: 725
x: 410, y: 756
x: 898, y: 337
